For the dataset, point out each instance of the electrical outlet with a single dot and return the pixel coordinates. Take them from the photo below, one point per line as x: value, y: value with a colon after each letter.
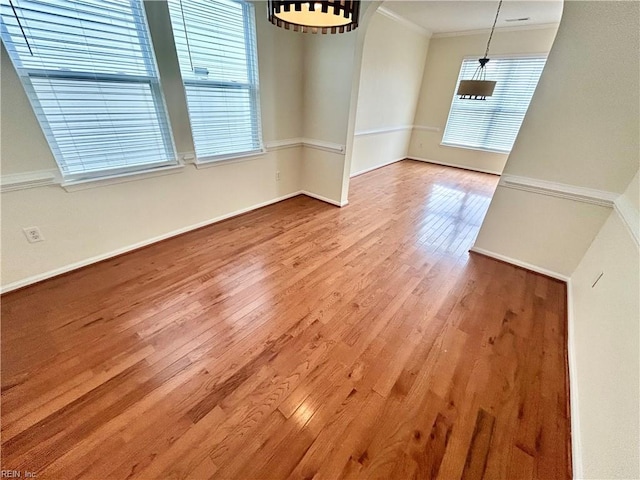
x: 33, y: 234
x: 278, y: 176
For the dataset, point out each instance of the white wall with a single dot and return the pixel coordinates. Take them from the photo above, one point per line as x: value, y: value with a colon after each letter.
x: 392, y: 65
x: 605, y: 342
x: 332, y: 65
x: 632, y: 194
x: 581, y: 131
x: 329, y: 66
x: 308, y: 86
x: 582, y: 127
x: 563, y: 231
x: 22, y: 141
x: 578, y: 145
x: 438, y: 84
x: 88, y: 224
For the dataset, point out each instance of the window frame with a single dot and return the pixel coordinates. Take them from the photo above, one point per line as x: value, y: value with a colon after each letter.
x: 25, y: 74
x: 514, y: 56
x: 252, y: 87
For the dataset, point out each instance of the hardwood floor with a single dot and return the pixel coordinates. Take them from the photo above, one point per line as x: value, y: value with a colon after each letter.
x: 300, y: 340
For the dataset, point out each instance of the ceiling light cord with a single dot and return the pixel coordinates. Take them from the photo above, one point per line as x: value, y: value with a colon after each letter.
x: 492, y: 29
x: 15, y: 14
x: 186, y: 34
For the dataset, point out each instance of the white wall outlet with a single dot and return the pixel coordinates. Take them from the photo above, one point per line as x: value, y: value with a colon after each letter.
x: 33, y: 234
x: 278, y: 176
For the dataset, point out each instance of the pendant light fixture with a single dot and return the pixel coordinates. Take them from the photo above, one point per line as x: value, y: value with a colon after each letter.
x: 479, y: 88
x: 322, y: 16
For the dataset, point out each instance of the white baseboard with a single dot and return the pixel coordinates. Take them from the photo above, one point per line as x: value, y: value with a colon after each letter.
x: 98, y: 258
x: 456, y: 165
x: 576, y: 443
x: 367, y: 170
x: 518, y: 263
x: 324, y: 199
x: 114, y: 253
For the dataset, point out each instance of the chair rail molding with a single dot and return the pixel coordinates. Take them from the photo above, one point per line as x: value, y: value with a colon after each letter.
x: 305, y: 142
x: 19, y: 181
x: 281, y: 144
x: 378, y: 131
x: 426, y: 128
x: 560, y: 190
x: 322, y: 145
x: 630, y: 217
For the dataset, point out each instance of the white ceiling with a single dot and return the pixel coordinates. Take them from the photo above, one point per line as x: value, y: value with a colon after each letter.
x: 460, y: 16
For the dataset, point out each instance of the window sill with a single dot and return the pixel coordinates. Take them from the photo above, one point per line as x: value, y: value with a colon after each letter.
x: 77, y: 185
x: 479, y: 149
x: 220, y: 161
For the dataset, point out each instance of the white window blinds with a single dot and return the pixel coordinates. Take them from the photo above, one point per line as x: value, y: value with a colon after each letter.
x: 90, y: 74
x: 493, y: 124
x: 216, y: 45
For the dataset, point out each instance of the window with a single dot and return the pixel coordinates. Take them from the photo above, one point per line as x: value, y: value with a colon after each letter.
x: 90, y: 74
x: 493, y: 124
x: 216, y: 45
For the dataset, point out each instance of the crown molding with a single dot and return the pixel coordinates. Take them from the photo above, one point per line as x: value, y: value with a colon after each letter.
x: 560, y: 190
x: 403, y: 21
x: 484, y: 31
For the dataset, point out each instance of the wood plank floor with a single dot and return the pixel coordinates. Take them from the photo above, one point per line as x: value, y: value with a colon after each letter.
x: 297, y: 341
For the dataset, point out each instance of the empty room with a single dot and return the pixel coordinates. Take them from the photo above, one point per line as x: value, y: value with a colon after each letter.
x: 320, y: 240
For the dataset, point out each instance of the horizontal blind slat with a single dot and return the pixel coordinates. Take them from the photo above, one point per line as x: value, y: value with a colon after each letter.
x: 92, y: 81
x: 217, y: 56
x: 493, y: 124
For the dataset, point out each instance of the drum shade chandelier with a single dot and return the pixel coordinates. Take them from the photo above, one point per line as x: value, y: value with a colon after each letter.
x: 325, y: 16
x: 479, y: 88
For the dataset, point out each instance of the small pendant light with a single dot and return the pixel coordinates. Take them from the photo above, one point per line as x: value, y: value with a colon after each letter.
x: 478, y: 88
x: 322, y: 16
